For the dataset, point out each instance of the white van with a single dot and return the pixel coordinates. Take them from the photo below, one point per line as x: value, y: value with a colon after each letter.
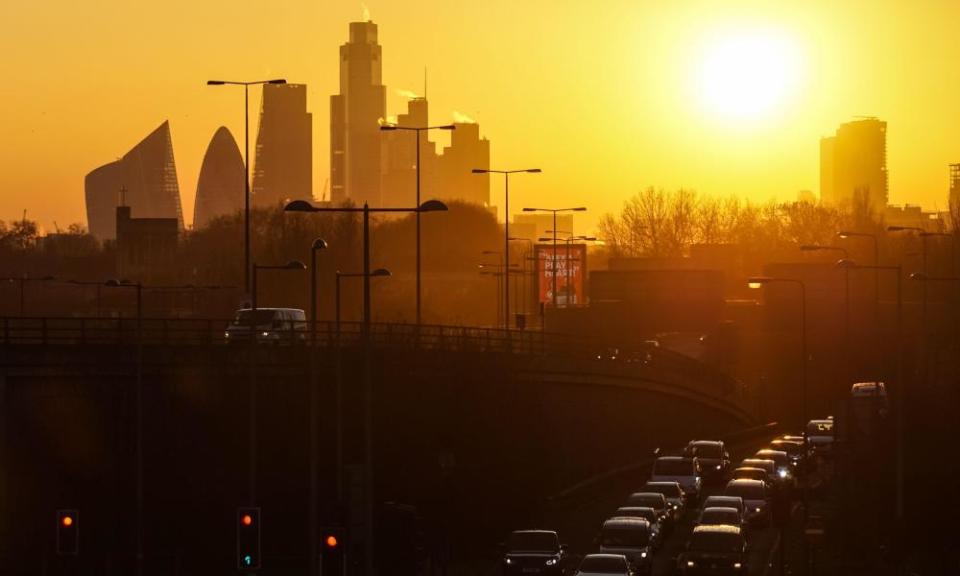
x: 268, y: 325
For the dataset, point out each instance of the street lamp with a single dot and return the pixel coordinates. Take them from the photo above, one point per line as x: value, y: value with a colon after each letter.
x: 523, y: 276
x: 506, y: 229
x: 305, y: 207
x: 23, y: 280
x: 246, y: 165
x: 318, y: 244
x: 139, y: 413
x: 378, y: 273
x: 757, y: 282
x: 899, y: 397
x: 291, y: 265
x: 554, y: 211
x: 313, y: 442
x: 417, y: 130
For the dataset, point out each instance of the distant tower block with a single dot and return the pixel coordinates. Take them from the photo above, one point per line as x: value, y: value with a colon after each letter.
x: 283, y: 169
x: 955, y: 188
x: 355, y: 116
x: 854, y: 161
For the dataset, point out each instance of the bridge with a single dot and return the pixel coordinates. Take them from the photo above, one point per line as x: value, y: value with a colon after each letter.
x: 469, y: 423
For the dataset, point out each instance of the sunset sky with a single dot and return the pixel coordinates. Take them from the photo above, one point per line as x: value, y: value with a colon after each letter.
x: 606, y: 97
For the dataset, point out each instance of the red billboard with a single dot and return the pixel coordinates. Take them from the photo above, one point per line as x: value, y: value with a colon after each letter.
x: 563, y: 267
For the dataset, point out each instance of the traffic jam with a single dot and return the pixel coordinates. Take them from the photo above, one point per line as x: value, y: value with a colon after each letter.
x: 698, y: 513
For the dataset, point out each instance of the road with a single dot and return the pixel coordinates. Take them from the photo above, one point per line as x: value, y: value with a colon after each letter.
x: 579, y: 525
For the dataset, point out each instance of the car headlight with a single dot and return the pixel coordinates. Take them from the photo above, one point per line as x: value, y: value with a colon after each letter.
x: 226, y: 334
x: 718, y: 466
x: 551, y: 561
x: 737, y: 565
x: 783, y: 472
x: 674, y: 504
x: 265, y: 334
x: 691, y: 564
x: 643, y: 554
x: 508, y: 560
x: 757, y: 509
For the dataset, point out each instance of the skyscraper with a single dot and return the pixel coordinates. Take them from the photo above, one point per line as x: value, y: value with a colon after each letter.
x: 220, y: 185
x: 283, y: 169
x: 467, y: 151
x: 355, y: 116
x: 853, y: 165
x: 398, y: 181
x: 145, y: 179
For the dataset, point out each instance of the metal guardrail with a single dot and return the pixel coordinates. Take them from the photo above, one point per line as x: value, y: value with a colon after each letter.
x: 211, y: 332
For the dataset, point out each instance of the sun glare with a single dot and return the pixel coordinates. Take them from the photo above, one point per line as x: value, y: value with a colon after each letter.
x: 747, y: 75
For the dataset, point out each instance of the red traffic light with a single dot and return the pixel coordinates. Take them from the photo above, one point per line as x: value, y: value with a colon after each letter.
x: 331, y: 541
x: 67, y: 521
x: 246, y: 519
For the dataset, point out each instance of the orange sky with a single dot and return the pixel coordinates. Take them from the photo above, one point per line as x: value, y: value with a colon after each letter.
x: 600, y: 95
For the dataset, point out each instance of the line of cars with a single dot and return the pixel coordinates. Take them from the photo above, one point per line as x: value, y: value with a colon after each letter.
x: 628, y: 539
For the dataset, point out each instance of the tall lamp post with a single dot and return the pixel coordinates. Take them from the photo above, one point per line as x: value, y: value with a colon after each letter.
x: 138, y: 434
x: 246, y: 165
x: 901, y: 384
x: 417, y: 130
x: 303, y: 206
x: 500, y: 316
x: 313, y: 426
x: 523, y: 282
x: 554, y: 212
x: 846, y: 296
x: 506, y: 230
x: 378, y: 273
x: 256, y: 268
x: 759, y: 282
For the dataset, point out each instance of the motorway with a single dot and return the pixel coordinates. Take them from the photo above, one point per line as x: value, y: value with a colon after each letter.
x: 579, y: 525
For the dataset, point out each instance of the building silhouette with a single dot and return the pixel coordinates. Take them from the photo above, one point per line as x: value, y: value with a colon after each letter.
x: 536, y: 225
x: 398, y: 178
x: 146, y: 247
x: 283, y: 169
x: 220, y: 185
x: 355, y: 116
x: 954, y: 188
x: 853, y: 165
x: 467, y: 151
x: 145, y: 179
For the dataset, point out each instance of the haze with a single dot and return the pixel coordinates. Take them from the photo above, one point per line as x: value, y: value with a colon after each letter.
x: 603, y: 97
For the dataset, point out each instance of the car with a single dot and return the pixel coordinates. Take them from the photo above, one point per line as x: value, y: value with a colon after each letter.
x: 712, y: 455
x: 735, y: 502
x: 716, y: 515
x: 630, y: 537
x: 658, y: 502
x: 820, y: 435
x: 782, y: 462
x: 868, y: 404
x: 672, y: 492
x: 768, y: 466
x: 605, y: 565
x: 754, y: 494
x: 650, y: 515
x: 685, y: 471
x: 750, y: 473
x: 533, y: 552
x: 267, y: 325
x: 793, y: 448
x: 714, y: 550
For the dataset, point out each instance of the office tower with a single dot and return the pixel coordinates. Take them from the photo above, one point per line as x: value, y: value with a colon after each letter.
x: 355, y: 116
x: 398, y: 182
x: 283, y: 169
x: 220, y: 185
x: 467, y: 151
x: 145, y: 179
x: 853, y: 165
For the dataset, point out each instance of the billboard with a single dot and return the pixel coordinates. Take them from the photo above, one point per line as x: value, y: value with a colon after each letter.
x: 568, y: 262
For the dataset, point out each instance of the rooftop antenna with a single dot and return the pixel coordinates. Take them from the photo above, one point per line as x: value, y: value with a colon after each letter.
x: 123, y: 195
x: 424, y: 82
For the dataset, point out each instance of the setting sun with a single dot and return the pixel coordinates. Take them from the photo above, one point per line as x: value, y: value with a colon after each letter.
x: 746, y: 75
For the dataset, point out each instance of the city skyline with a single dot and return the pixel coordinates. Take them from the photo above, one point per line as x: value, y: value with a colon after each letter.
x: 540, y: 102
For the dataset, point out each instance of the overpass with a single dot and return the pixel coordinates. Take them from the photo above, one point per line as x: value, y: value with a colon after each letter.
x: 470, y: 422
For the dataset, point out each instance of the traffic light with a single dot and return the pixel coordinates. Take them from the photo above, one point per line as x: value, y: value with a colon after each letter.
x: 68, y: 532
x: 248, y: 538
x: 332, y: 548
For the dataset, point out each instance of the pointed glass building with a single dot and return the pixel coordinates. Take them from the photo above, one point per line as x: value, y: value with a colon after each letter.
x: 145, y: 179
x: 220, y: 185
